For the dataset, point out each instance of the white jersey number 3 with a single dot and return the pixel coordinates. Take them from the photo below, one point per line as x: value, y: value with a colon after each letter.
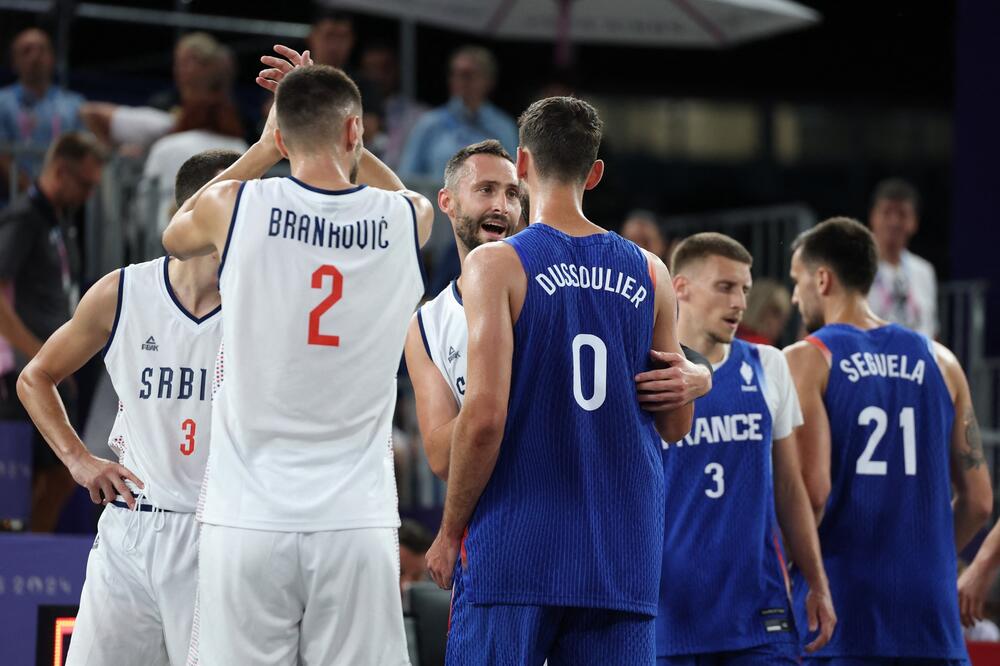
x: 907, y: 422
x: 719, y: 477
x: 600, y: 371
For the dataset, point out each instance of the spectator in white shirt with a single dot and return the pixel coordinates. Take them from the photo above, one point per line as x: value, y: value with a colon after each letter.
x: 905, y: 288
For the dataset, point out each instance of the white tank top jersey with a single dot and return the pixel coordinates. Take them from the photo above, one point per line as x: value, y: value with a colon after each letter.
x: 319, y: 287
x: 161, y: 360
x: 445, y: 334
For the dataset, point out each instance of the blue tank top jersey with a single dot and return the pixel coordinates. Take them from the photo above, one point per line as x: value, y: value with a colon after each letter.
x: 573, y: 514
x: 723, y: 585
x: 887, y: 531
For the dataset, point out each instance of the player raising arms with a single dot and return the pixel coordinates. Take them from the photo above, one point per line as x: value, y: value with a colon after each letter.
x: 157, y: 325
x: 730, y: 483
x: 885, y: 441
x: 319, y: 277
x: 555, y: 469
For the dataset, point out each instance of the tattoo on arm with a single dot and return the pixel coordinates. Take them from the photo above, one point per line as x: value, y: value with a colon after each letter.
x: 972, y: 458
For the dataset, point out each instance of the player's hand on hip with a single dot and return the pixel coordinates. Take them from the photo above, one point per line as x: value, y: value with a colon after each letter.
x: 441, y: 559
x: 973, y: 586
x: 103, y: 479
x: 821, y: 616
x: 674, y: 386
x: 277, y: 68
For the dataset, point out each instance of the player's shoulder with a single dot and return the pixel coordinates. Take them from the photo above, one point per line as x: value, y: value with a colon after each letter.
x: 806, y: 357
x: 497, y: 255
x: 769, y: 354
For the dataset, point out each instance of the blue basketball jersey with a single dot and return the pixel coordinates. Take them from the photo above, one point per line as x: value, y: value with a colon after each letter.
x: 573, y: 513
x: 887, y: 531
x: 723, y: 584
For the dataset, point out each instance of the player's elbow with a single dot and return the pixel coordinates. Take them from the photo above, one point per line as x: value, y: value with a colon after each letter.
x: 28, y: 381
x: 978, y: 505
x: 818, y: 490
x: 171, y: 244
x: 484, y: 428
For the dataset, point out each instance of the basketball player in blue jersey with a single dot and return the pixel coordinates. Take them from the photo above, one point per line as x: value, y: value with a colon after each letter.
x: 730, y: 483
x: 481, y: 197
x: 891, y: 469
x: 156, y: 324
x: 555, y: 469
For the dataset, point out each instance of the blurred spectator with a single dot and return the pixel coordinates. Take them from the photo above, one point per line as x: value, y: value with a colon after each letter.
x: 467, y: 118
x: 208, y: 119
x: 641, y: 228
x: 197, y: 55
x: 905, y: 288
x: 33, y: 111
x: 769, y: 305
x: 39, y: 280
x: 414, y: 542
x: 380, y: 66
x: 331, y: 40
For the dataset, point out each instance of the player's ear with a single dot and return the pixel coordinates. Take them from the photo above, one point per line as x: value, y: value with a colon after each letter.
x: 355, y: 130
x: 824, y: 280
x: 681, y: 284
x: 523, y: 159
x: 279, y: 141
x: 444, y: 200
x: 595, y: 175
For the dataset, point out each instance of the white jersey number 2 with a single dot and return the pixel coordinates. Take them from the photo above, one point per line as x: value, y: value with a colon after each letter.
x: 600, y: 371
x: 877, y: 415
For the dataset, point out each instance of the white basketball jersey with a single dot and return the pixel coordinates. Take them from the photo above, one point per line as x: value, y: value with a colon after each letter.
x: 161, y: 361
x: 445, y: 335
x: 318, y: 288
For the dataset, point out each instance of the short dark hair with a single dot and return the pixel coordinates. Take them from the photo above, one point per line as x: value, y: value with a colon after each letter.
x: 313, y: 102
x: 457, y: 161
x: 76, y: 147
x: 414, y: 536
x: 199, y: 169
x: 708, y: 244
x: 563, y: 135
x: 896, y: 189
x: 843, y: 245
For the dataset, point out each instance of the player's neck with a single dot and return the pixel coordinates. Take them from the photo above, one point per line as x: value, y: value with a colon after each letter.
x: 195, y: 283
x: 700, y: 341
x: 324, y: 171
x: 561, y: 207
x: 851, y: 309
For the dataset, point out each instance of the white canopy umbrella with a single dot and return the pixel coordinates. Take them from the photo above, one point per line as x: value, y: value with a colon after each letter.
x: 677, y: 23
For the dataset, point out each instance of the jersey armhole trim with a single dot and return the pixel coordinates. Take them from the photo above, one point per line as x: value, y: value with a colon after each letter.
x: 232, y: 225
x: 118, y: 312
x: 423, y: 334
x: 652, y: 272
x: 821, y: 346
x: 416, y: 245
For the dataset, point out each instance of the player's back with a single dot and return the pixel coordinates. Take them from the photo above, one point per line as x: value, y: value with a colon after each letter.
x: 887, y: 531
x: 318, y: 288
x: 573, y: 513
x: 160, y: 359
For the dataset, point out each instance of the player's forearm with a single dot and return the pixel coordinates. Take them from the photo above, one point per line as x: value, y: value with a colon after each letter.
x: 970, y: 516
x: 373, y: 172
x: 13, y: 330
x: 252, y: 164
x: 437, y: 446
x: 989, y: 553
x: 38, y: 394
x: 798, y: 525
x: 474, y: 454
x: 675, y: 424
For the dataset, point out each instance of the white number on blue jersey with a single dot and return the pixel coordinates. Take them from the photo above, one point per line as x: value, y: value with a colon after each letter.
x: 600, y: 371
x: 718, y: 476
x: 907, y: 422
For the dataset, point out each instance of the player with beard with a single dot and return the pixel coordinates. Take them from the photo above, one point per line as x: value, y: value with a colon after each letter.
x: 891, y: 457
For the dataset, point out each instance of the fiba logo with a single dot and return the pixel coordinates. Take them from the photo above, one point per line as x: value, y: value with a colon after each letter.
x: 746, y: 372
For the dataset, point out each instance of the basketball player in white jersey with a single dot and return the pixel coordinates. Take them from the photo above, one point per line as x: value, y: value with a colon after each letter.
x: 157, y: 326
x: 319, y: 276
x: 484, y: 202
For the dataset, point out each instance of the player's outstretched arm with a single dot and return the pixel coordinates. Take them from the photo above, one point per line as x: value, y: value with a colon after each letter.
x: 436, y: 409
x: 492, y: 277
x: 973, y: 499
x: 810, y: 372
x: 798, y: 525
x: 63, y: 354
x: 673, y: 423
x: 975, y: 582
